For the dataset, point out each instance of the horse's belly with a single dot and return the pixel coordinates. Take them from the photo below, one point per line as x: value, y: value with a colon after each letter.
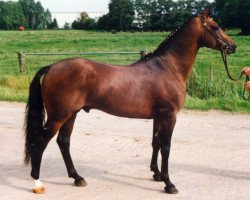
x: 124, y: 108
x: 129, y: 114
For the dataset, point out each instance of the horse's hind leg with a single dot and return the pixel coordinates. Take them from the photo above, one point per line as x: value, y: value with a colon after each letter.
x: 156, y: 147
x: 37, y: 148
x: 36, y: 158
x: 63, y: 141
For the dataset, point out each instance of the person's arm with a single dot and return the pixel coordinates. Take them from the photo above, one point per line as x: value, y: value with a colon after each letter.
x: 247, y: 86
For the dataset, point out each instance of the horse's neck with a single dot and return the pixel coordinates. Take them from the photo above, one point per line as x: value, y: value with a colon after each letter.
x: 180, y: 51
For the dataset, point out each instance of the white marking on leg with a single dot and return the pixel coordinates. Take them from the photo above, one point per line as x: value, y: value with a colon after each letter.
x: 38, y: 183
x: 39, y: 187
x: 156, y: 134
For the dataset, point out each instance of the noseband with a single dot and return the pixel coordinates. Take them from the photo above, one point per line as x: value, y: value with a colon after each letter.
x: 223, y: 49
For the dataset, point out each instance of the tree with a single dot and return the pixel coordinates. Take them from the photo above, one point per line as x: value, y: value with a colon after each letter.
x: 48, y: 18
x: 163, y: 15
x: 36, y: 16
x: 66, y: 26
x: 39, y: 17
x: 159, y: 15
x: 24, y: 12
x: 234, y: 14
x: 200, y: 5
x: 84, y: 22
x: 121, y: 15
x: 103, y: 22
x: 11, y: 15
x: 53, y: 24
x: 153, y: 14
x: 28, y: 11
x: 142, y: 9
x: 244, y: 16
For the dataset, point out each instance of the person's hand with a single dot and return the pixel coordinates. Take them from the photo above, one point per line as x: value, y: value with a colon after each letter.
x: 247, y: 86
x: 246, y: 71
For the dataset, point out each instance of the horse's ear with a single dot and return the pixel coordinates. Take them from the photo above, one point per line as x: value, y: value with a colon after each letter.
x: 209, y: 11
x: 206, y: 12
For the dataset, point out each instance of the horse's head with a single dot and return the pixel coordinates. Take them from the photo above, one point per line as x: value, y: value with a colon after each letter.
x: 213, y: 36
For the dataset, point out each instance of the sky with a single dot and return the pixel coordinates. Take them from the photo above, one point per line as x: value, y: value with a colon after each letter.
x: 68, y: 11
x: 76, y: 5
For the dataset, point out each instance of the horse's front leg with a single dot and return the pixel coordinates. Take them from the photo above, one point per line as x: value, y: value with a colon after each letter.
x: 156, y: 147
x: 166, y: 130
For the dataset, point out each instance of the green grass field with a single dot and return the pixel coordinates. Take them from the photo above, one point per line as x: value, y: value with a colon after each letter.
x: 220, y: 93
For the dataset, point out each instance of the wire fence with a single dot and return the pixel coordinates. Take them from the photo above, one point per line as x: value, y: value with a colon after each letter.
x: 200, y: 85
x: 29, y: 62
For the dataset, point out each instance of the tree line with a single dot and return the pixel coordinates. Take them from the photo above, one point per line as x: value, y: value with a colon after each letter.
x: 127, y: 15
x: 164, y: 15
x: 27, y: 13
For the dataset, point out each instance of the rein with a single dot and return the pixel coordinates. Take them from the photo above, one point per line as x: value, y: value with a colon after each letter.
x: 224, y: 47
x: 224, y: 58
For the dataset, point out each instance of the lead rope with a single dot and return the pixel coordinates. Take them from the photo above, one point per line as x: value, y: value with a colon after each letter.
x: 224, y: 58
x: 244, y: 90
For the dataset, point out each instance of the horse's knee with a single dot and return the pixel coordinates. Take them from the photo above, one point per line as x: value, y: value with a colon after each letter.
x: 165, y: 150
x: 156, y: 143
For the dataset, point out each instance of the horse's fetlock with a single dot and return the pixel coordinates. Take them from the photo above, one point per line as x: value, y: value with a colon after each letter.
x: 72, y: 173
x: 154, y: 168
x: 166, y: 179
x: 34, y: 174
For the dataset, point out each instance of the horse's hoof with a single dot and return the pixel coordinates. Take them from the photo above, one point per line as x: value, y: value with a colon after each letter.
x: 171, y: 190
x: 39, y: 190
x: 80, y: 183
x: 157, y: 177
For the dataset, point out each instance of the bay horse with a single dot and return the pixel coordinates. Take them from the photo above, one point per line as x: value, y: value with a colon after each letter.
x: 154, y: 87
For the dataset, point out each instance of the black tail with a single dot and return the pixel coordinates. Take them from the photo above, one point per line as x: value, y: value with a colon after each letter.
x: 34, y: 118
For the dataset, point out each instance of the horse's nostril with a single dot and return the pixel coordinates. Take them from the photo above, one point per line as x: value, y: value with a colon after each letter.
x: 233, y: 48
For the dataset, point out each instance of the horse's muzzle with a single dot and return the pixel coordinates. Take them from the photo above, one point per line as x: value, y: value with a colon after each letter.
x: 232, y: 48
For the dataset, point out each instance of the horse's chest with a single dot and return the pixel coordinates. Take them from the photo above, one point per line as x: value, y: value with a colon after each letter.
x: 171, y: 94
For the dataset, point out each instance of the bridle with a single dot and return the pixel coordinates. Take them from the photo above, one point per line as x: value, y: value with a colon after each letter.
x: 223, y: 45
x: 223, y: 49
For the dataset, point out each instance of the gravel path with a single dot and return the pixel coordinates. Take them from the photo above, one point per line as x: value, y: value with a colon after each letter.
x: 210, y: 158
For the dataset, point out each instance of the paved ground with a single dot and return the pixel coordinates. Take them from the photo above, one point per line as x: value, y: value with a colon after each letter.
x: 210, y: 158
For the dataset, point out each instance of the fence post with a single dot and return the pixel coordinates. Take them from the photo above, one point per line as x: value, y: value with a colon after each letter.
x: 211, y: 73
x: 21, y: 60
x: 143, y: 53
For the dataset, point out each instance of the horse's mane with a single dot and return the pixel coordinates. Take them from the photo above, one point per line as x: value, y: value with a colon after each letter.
x: 166, y: 41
